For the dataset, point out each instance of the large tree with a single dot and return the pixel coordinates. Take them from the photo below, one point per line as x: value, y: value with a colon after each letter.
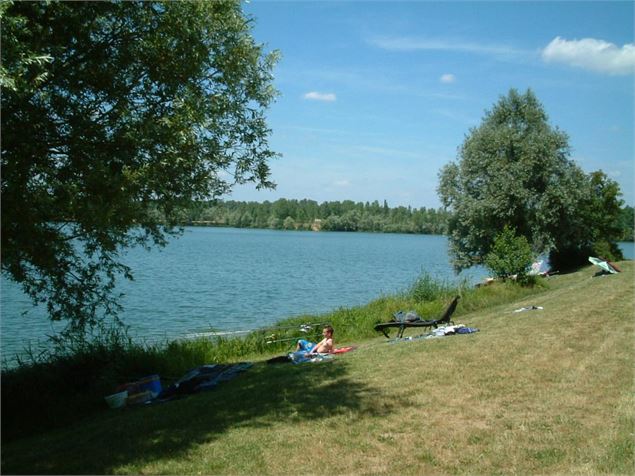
x: 627, y: 223
x: 515, y: 169
x: 115, y: 113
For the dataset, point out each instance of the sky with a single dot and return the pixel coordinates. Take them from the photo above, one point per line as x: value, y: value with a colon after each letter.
x: 376, y: 97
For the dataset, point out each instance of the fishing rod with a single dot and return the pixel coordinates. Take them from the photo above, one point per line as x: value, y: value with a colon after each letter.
x: 306, y: 328
x: 300, y: 326
x: 275, y: 340
x: 195, y: 335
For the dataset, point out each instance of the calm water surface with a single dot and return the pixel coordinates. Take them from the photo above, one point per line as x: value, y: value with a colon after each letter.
x: 237, y: 279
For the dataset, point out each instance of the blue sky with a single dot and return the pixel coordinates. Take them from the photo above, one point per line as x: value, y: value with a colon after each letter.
x: 377, y: 96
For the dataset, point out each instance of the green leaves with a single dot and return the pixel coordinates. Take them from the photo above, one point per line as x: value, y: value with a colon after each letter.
x: 112, y: 112
x: 510, y: 256
x: 514, y: 170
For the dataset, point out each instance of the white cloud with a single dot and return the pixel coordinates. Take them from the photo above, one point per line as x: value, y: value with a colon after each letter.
x: 316, y: 96
x: 423, y: 44
x: 589, y: 53
x: 457, y: 116
x: 380, y: 153
x: 447, y: 78
x: 342, y: 183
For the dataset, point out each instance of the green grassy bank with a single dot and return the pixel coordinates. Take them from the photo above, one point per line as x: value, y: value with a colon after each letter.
x: 545, y: 391
x: 69, y: 386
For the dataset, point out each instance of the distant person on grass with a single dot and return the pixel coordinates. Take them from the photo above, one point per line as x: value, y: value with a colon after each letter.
x: 325, y: 346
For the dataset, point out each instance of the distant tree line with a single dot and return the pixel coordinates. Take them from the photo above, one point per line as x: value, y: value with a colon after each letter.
x: 291, y: 214
x: 284, y: 214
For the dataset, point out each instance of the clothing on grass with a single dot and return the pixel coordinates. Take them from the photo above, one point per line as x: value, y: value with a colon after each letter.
x: 305, y: 345
x: 439, y: 332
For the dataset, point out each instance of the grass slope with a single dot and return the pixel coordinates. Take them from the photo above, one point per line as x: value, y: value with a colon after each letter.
x: 546, y: 391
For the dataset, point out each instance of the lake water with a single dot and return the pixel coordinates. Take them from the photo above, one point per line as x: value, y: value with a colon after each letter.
x: 237, y: 279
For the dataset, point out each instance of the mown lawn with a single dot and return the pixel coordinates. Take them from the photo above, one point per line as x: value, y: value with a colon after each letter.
x: 538, y: 392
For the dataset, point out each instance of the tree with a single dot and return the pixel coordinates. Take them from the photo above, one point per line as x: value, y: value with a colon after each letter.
x: 288, y: 223
x: 113, y: 114
x: 627, y: 223
x: 600, y: 227
x: 510, y: 256
x: 514, y: 169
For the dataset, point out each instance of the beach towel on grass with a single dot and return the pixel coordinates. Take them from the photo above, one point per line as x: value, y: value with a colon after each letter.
x: 202, y: 378
x: 302, y: 357
x: 299, y: 359
x: 438, y: 332
x: 341, y: 350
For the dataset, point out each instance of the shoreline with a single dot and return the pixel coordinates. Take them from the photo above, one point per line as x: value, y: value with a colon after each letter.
x: 453, y: 385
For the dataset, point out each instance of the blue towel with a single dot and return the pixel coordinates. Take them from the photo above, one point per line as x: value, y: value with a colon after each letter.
x: 466, y: 330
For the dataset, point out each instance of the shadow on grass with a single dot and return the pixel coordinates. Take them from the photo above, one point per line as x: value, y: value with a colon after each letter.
x: 258, y: 398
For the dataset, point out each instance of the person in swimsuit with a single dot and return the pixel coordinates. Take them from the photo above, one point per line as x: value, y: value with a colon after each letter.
x: 325, y: 346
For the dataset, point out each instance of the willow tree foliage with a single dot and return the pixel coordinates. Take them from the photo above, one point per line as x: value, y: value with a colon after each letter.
x: 510, y: 256
x: 515, y: 169
x: 114, y: 113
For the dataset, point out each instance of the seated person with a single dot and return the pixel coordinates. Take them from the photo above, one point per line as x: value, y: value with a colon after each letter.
x: 325, y: 346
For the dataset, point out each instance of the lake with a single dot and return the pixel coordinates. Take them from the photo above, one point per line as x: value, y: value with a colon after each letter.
x: 238, y: 279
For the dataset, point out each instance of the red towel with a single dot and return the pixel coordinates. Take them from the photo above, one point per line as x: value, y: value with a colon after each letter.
x: 341, y: 350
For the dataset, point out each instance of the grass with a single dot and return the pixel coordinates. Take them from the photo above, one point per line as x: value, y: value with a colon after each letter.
x: 69, y: 384
x: 538, y: 392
